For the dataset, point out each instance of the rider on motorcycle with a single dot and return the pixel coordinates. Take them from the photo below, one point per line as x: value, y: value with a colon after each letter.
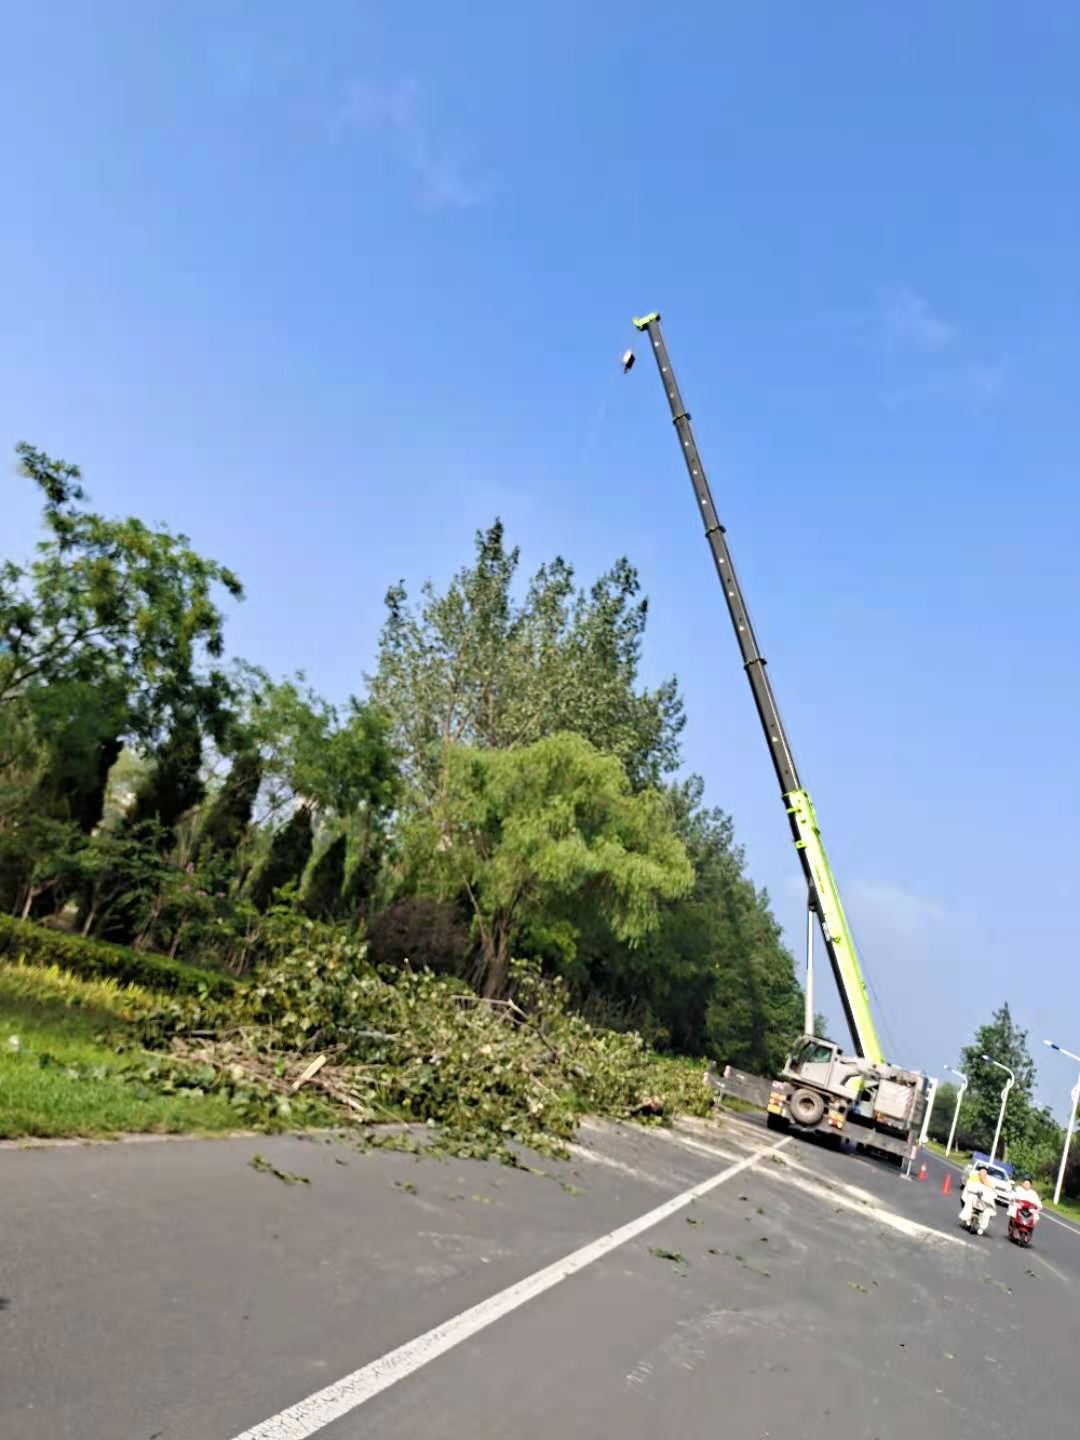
x: 1025, y: 1194
x: 978, y: 1187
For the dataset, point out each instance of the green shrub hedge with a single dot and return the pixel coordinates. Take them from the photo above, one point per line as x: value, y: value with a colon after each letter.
x: 37, y: 945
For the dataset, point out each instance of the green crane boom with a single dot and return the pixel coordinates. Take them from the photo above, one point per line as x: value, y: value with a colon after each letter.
x: 824, y: 894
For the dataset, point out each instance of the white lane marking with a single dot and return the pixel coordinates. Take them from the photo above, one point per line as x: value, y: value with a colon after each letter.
x: 594, y: 1157
x: 1033, y: 1255
x: 318, y: 1410
x: 700, y: 1147
x: 799, y: 1178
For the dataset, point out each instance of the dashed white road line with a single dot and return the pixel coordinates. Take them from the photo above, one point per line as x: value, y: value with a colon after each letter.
x: 317, y: 1411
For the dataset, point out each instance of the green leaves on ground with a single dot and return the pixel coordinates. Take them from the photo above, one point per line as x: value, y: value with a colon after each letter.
x: 407, y: 1046
x: 265, y: 1167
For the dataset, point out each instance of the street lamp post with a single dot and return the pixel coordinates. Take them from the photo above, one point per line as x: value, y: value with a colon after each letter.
x: 1075, y: 1097
x: 1009, y: 1083
x: 956, y: 1112
x: 931, y: 1096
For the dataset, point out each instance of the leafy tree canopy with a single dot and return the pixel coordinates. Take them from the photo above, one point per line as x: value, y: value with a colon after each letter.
x: 519, y: 830
x: 112, y: 603
x: 1003, y: 1040
x: 475, y: 666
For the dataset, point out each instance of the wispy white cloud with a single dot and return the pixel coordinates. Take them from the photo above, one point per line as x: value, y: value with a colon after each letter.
x: 977, y: 384
x: 395, y: 113
x: 908, y: 321
x: 889, y: 910
x: 922, y: 354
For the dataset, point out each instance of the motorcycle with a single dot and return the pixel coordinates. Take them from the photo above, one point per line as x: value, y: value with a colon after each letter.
x: 1022, y: 1225
x: 976, y: 1224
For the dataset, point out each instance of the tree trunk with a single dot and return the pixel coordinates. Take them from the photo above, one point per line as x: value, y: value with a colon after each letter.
x: 498, y: 964
x: 139, y: 943
x: 88, y: 923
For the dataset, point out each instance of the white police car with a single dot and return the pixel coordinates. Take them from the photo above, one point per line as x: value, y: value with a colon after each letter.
x: 998, y: 1172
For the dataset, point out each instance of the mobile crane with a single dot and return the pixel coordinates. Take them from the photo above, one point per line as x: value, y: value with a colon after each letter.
x: 860, y: 1097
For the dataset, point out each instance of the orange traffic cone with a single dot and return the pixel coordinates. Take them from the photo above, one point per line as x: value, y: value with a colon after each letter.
x: 922, y: 1171
x: 946, y: 1188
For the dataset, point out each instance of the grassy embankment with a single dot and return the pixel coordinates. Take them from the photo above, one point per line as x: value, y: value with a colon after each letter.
x: 59, y: 1075
x: 96, y: 1041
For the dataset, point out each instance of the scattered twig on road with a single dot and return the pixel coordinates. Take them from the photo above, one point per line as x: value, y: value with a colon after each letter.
x: 260, y: 1163
x: 675, y: 1256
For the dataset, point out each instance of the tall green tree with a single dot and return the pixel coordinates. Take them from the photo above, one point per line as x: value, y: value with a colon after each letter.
x: 173, y: 783
x: 110, y: 633
x: 336, y: 762
x: 116, y: 604
x: 715, y: 978
x: 119, y: 869
x: 1003, y: 1040
x: 79, y: 725
x: 476, y: 666
x: 337, y: 759
x: 322, y: 895
x: 227, y: 817
x: 517, y: 831
x: 286, y: 858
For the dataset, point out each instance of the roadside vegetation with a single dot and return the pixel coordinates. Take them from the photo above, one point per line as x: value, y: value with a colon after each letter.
x: 475, y: 894
x: 486, y: 854
x: 61, y: 1075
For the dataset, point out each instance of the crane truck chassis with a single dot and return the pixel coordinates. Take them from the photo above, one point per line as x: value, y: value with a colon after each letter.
x: 878, y: 1108
x: 861, y: 1097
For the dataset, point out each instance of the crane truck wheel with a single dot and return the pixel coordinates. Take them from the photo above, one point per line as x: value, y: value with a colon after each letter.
x: 807, y: 1107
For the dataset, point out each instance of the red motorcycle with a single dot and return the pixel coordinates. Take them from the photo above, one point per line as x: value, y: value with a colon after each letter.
x: 1022, y: 1225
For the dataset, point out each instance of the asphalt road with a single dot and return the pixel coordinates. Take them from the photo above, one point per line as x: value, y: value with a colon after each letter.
x: 169, y: 1291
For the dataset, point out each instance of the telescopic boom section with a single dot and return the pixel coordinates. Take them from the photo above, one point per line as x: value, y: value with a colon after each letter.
x: 824, y: 895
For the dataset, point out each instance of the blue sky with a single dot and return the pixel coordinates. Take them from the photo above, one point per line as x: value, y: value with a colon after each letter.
x: 328, y: 287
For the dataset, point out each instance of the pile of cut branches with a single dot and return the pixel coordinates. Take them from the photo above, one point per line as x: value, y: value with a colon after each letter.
x: 322, y: 1031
